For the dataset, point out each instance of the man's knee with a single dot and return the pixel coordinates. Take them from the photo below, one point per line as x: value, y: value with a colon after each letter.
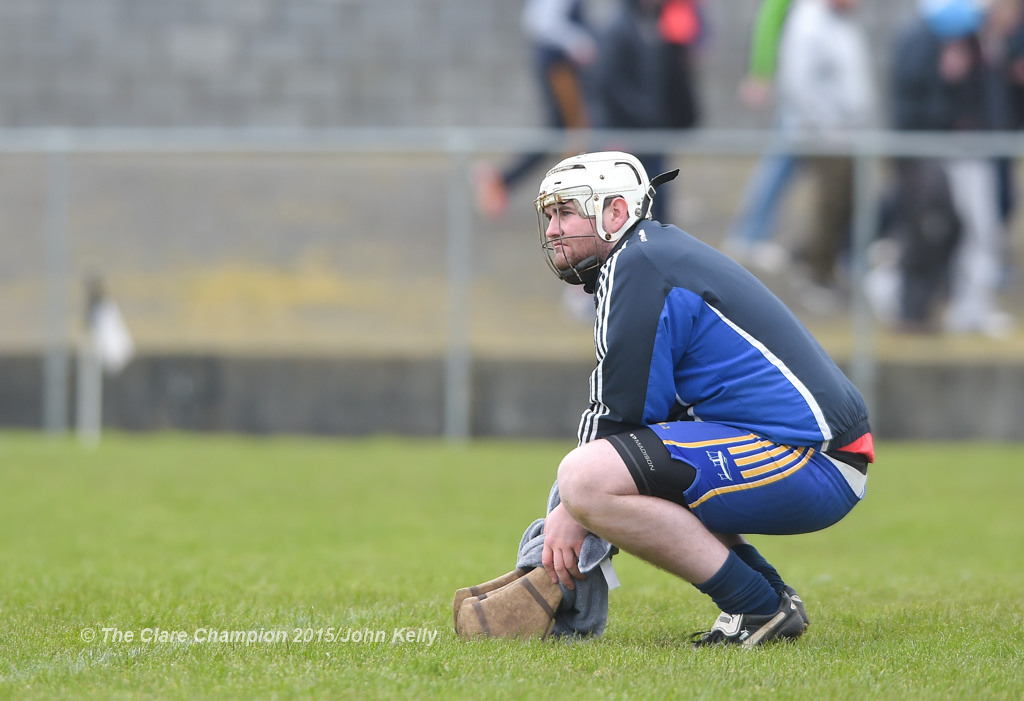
x: 589, y: 474
x: 576, y: 482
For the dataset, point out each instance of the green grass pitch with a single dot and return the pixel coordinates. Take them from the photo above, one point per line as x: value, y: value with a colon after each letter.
x: 172, y: 566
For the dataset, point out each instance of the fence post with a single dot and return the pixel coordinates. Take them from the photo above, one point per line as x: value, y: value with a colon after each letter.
x: 863, y: 360
x: 457, y: 395
x: 56, y: 355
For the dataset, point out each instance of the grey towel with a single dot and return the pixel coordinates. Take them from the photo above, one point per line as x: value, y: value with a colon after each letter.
x: 584, y: 610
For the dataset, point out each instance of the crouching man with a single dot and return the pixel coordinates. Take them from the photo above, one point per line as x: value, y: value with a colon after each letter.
x: 713, y: 411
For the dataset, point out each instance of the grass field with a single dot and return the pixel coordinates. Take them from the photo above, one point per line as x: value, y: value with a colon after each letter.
x: 919, y: 593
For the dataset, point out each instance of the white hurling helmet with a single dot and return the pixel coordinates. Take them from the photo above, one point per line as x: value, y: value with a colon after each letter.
x: 589, y: 180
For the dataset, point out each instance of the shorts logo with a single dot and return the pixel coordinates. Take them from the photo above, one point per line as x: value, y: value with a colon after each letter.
x: 643, y: 451
x: 717, y: 459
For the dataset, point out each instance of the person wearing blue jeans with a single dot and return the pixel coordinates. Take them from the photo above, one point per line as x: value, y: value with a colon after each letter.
x: 759, y: 211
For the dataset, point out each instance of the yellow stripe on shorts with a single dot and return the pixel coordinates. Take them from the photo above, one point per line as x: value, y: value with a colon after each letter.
x: 774, y: 465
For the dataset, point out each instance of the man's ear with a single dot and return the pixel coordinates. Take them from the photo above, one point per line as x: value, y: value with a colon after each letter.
x: 615, y: 215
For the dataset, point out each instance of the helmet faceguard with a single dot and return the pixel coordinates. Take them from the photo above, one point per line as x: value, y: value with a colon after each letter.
x: 580, y: 272
x: 590, y: 181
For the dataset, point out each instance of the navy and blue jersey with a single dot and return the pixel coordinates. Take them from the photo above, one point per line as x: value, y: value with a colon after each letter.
x: 684, y: 332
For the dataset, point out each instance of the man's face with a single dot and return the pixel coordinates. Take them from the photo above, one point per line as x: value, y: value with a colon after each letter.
x: 570, y: 237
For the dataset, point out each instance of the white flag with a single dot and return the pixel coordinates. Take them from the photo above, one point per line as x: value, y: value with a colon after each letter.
x: 111, y: 341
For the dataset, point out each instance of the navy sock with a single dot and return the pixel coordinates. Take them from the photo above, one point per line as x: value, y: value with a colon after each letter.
x: 737, y: 588
x: 749, y: 554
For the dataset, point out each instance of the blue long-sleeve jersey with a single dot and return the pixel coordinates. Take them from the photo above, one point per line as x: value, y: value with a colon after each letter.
x: 683, y: 331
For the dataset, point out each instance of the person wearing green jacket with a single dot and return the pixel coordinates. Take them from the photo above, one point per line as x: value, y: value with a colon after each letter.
x: 749, y: 237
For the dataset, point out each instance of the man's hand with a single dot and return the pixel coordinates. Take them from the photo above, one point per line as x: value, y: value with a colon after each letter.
x: 563, y: 540
x: 755, y: 92
x: 955, y: 61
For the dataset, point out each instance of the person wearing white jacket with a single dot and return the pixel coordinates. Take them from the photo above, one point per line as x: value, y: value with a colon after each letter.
x: 826, y: 91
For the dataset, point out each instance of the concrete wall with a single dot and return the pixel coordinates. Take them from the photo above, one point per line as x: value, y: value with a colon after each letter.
x: 314, y: 63
x: 359, y: 396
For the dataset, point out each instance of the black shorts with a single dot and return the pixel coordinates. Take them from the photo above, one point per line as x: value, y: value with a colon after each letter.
x: 655, y: 472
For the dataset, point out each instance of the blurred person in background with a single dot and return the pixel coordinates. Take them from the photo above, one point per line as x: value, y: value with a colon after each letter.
x: 825, y: 92
x: 1010, y: 23
x: 563, y: 49
x: 646, y: 73
x: 948, y: 74
x: 749, y: 238
x: 1015, y: 69
x: 756, y: 88
x: 919, y: 229
x: 1002, y: 39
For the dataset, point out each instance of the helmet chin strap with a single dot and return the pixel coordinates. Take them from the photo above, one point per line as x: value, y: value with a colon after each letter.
x: 583, y: 273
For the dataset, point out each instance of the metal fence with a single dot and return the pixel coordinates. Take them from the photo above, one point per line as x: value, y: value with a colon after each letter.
x: 451, y: 153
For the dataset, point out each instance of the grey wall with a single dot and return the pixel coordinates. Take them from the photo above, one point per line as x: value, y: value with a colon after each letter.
x: 313, y: 63
x: 511, y: 399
